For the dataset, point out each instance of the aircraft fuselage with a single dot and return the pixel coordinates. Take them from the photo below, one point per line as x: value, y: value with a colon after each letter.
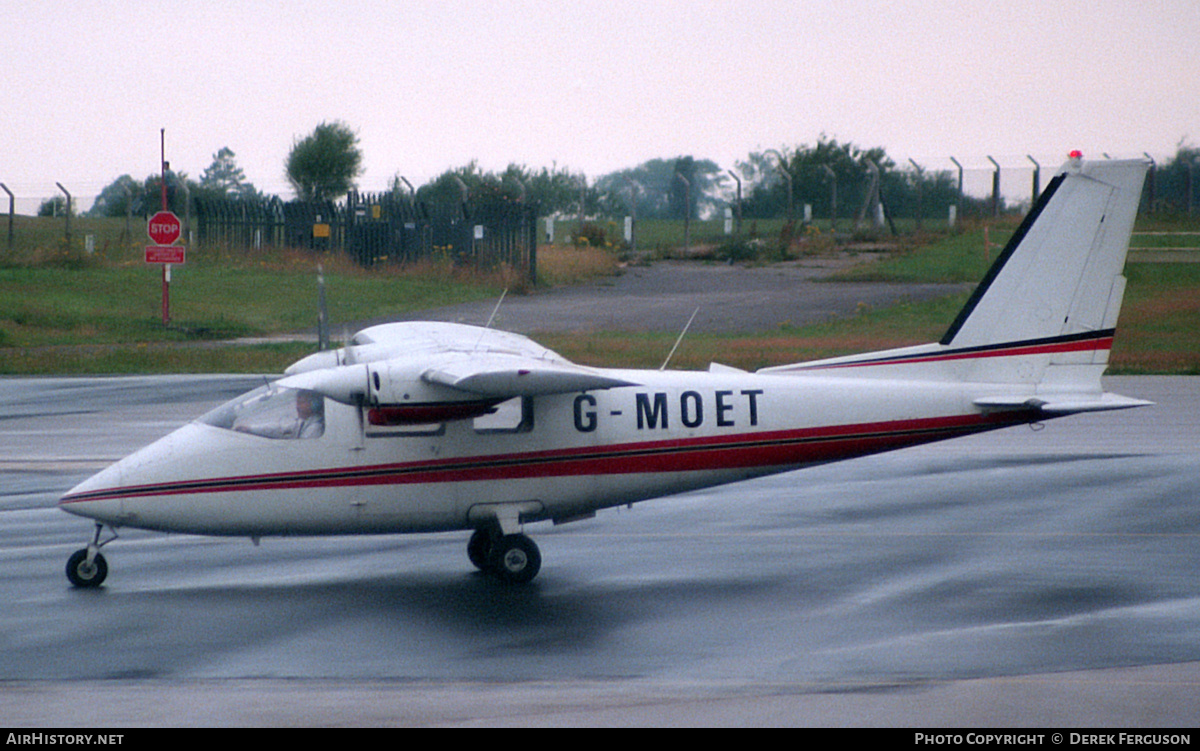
x: 562, y: 456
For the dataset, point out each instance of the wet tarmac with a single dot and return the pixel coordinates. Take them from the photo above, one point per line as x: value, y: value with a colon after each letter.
x: 1020, y: 578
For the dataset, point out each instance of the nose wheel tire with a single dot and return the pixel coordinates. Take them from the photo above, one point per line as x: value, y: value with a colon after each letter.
x: 83, y: 573
x: 515, y: 559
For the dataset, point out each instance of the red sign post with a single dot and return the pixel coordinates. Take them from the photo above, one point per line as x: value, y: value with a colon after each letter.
x: 164, y: 229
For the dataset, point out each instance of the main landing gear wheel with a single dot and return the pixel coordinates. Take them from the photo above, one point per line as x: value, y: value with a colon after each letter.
x: 84, y: 573
x: 479, y: 549
x: 515, y: 559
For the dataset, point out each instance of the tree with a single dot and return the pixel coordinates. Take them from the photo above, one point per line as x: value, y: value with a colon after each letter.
x: 447, y: 188
x: 323, y: 165
x: 809, y: 168
x: 1176, y: 180
x: 224, y: 178
x: 128, y: 196
x: 696, y: 197
x: 552, y: 189
x: 660, y: 194
x: 179, y: 188
x: 120, y: 197
x: 56, y: 206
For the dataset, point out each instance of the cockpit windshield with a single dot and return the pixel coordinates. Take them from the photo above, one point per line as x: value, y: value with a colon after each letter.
x: 272, y: 412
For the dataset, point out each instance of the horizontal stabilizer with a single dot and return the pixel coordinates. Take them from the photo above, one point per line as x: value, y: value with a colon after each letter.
x: 1066, y: 404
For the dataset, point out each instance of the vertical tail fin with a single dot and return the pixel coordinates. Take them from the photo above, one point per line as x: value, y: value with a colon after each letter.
x: 1046, y: 311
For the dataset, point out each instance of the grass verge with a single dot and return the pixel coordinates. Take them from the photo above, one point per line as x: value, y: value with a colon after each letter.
x: 64, y: 312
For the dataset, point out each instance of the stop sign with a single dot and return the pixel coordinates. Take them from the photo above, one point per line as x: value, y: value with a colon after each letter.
x: 163, y: 228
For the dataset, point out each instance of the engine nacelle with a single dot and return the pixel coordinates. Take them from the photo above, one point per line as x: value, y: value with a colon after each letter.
x: 394, y: 393
x: 399, y: 395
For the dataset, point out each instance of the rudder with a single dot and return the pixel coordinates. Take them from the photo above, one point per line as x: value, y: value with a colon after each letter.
x: 1046, y: 311
x: 1052, y: 298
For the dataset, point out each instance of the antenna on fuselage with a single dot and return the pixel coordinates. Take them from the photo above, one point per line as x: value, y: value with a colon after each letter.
x: 492, y: 317
x: 680, y: 339
x: 496, y: 309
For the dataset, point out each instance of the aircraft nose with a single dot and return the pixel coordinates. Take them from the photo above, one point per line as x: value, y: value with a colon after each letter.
x: 98, y: 497
x: 126, y: 493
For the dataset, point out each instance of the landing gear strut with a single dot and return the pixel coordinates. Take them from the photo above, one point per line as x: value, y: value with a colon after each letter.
x: 514, y: 559
x: 86, y: 567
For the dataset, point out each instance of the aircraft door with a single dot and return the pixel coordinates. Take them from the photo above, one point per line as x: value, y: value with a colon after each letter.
x: 405, y: 482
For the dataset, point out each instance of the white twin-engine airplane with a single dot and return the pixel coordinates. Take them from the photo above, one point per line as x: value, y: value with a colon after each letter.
x: 427, y: 427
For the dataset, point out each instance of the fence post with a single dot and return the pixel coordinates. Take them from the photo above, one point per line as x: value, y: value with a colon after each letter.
x: 188, y: 238
x: 738, y: 232
x: 995, y: 188
x: 633, y: 191
x: 687, y: 214
x: 781, y: 166
x: 960, y: 183
x: 11, y: 205
x: 1037, y: 180
x: 533, y: 243
x: 128, y: 236
x: 582, y: 204
x: 832, y: 197
x: 1191, y: 188
x: 872, y: 197
x: 1150, y: 184
x: 920, y: 192
x: 68, y: 212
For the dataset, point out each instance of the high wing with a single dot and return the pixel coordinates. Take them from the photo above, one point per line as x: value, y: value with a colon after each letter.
x: 438, y: 370
x: 390, y: 340
x: 500, y: 375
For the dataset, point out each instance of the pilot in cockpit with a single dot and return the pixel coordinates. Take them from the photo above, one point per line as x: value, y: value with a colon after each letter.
x: 274, y: 413
x: 310, y: 408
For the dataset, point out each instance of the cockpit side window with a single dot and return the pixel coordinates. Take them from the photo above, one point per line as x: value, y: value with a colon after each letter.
x: 272, y: 412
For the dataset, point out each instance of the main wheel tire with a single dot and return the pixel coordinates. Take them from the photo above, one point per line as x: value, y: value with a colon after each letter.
x: 479, y: 549
x: 515, y: 559
x: 84, y: 574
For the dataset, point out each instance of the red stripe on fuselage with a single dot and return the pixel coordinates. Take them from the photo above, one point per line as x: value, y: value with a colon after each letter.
x: 744, y: 450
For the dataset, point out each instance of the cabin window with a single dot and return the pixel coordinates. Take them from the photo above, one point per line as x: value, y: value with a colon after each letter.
x: 272, y: 412
x: 512, y: 416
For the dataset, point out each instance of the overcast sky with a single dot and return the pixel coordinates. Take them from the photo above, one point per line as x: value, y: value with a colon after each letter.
x: 591, y: 86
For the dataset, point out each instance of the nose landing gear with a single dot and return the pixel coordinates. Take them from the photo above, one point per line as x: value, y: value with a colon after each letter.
x: 86, y: 568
